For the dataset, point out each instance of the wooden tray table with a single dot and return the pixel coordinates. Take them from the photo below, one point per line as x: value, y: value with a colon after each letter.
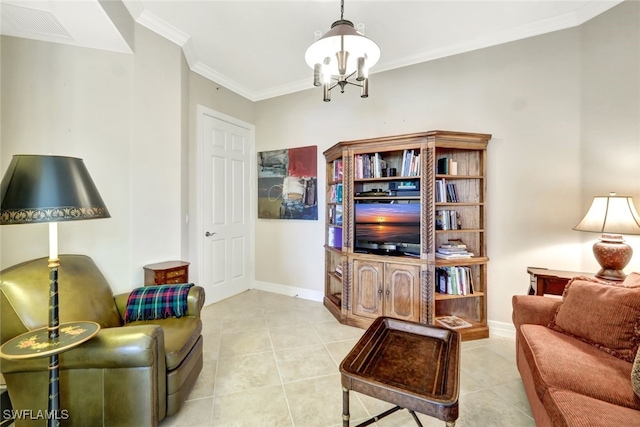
x: 408, y: 364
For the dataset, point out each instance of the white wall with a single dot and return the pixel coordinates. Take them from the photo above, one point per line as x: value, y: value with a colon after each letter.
x: 610, y: 127
x: 70, y: 101
x: 531, y: 96
x: 155, y: 152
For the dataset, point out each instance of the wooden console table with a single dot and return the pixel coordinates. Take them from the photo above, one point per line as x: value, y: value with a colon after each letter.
x: 545, y: 281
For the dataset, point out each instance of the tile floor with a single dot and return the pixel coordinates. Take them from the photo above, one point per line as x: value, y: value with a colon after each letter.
x: 272, y: 361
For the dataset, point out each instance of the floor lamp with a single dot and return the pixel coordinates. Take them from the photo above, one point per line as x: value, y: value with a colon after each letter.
x: 37, y: 189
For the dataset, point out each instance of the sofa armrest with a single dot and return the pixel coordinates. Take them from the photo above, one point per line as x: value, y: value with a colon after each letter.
x: 533, y: 309
x: 195, y: 301
x: 121, y: 347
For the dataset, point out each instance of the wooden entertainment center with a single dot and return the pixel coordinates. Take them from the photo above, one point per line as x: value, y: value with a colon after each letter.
x: 418, y: 262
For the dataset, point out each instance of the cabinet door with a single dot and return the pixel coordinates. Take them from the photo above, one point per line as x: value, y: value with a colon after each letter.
x: 402, y: 291
x: 367, y: 289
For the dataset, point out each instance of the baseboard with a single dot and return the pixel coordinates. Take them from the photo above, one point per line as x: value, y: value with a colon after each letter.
x: 291, y: 291
x: 501, y: 329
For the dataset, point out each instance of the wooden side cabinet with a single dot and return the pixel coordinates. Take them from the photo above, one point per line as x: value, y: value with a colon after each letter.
x: 386, y: 289
x: 166, y: 273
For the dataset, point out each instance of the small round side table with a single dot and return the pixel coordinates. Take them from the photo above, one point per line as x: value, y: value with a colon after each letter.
x: 37, y: 343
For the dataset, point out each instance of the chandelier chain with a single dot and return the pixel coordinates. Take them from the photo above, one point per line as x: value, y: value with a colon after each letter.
x: 341, y: 10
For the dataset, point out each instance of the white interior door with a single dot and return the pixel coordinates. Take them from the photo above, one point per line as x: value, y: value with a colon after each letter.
x: 226, y: 230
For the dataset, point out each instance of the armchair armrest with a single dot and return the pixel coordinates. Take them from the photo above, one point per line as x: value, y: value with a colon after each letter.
x: 195, y: 301
x: 112, y: 348
x: 533, y: 309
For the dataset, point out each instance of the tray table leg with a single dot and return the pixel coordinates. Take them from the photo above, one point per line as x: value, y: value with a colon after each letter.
x: 345, y: 407
x: 415, y: 417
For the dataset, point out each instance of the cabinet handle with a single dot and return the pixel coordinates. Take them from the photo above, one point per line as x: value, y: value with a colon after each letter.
x: 380, y: 293
x: 388, y: 293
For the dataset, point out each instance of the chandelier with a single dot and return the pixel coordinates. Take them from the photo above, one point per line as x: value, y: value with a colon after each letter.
x: 340, y: 55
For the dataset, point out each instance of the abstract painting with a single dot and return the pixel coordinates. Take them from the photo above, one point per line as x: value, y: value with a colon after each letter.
x: 288, y: 183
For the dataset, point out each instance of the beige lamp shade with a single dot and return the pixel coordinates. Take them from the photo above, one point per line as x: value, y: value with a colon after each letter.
x: 611, y: 215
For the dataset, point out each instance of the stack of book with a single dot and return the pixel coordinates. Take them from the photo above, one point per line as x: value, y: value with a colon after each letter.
x: 337, y: 170
x: 453, y: 249
x: 338, y: 270
x: 369, y: 165
x: 447, y: 219
x: 335, y: 193
x: 446, y: 192
x: 410, y: 163
x: 454, y: 280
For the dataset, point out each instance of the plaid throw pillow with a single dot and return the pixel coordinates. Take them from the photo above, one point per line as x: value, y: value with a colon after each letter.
x: 157, y: 302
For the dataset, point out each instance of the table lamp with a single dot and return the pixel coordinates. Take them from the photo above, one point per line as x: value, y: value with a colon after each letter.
x: 612, y: 216
x: 38, y: 189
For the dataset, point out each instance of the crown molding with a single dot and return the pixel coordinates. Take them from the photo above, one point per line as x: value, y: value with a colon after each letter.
x: 557, y: 23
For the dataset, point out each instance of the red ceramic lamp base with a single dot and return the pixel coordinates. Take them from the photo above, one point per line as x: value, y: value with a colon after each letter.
x: 613, y: 255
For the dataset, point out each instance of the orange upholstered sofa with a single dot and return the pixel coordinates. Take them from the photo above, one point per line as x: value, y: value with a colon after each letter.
x: 576, y: 354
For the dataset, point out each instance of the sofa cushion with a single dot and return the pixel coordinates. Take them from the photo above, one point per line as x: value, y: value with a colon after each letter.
x: 559, y: 361
x: 566, y: 408
x: 632, y: 280
x: 602, y: 315
x: 635, y: 375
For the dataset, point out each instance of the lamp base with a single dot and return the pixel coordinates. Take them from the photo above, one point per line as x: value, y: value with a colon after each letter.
x: 613, y: 256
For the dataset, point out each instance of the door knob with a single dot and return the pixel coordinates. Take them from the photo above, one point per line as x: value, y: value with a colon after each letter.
x: 209, y: 234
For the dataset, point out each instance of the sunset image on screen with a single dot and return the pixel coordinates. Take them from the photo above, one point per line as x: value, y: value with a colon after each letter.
x: 388, y: 213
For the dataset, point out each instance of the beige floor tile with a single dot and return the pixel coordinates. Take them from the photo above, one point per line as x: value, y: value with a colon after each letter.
x: 340, y: 349
x: 333, y: 331
x: 293, y: 336
x: 246, y: 372
x: 317, y: 402
x: 211, y: 345
x: 249, y: 322
x: 290, y: 317
x: 204, y: 384
x: 244, y: 343
x: 489, y: 368
x: 304, y: 362
x: 193, y: 413
x: 318, y: 314
x: 259, y: 407
x: 514, y: 394
x: 485, y: 408
x: 468, y: 384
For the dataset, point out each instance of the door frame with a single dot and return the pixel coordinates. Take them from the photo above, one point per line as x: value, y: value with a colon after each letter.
x: 199, y: 228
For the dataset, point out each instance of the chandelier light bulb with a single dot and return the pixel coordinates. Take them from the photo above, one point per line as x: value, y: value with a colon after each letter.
x: 346, y: 56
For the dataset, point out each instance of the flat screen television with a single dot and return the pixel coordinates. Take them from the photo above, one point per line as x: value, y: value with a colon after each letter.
x: 387, y: 228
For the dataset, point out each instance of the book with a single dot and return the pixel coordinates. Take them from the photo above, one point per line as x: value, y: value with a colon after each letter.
x: 453, y: 322
x: 460, y: 255
x: 443, y: 166
x: 453, y: 167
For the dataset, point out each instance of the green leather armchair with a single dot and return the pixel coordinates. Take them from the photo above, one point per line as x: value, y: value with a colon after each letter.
x: 127, y: 375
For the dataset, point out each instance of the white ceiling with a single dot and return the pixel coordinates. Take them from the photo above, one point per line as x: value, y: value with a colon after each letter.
x: 256, y: 48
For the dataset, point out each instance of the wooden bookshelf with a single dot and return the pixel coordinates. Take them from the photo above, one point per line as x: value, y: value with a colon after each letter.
x: 402, y: 282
